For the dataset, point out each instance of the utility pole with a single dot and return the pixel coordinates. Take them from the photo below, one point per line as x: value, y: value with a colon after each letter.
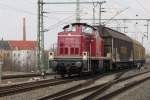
x: 100, y: 10
x: 40, y: 36
x: 147, y: 31
x: 94, y: 5
x: 78, y: 11
x: 147, y: 28
x: 78, y: 19
x: 124, y: 26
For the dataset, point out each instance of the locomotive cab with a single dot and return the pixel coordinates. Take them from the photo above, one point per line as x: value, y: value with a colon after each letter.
x: 79, y: 47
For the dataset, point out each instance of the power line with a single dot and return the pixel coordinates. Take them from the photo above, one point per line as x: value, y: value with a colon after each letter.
x: 68, y: 2
x: 57, y: 25
x: 30, y: 1
x: 121, y: 19
x: 17, y: 9
x: 59, y: 22
x: 138, y: 2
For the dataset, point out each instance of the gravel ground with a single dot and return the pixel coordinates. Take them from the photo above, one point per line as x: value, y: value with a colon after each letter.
x: 22, y: 80
x: 35, y: 94
x: 119, y: 85
x: 141, y: 92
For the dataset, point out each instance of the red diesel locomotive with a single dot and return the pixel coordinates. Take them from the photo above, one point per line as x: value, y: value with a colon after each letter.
x: 84, y: 48
x: 78, y: 47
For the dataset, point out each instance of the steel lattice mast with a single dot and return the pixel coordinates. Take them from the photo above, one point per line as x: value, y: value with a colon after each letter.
x: 78, y: 11
x: 40, y: 36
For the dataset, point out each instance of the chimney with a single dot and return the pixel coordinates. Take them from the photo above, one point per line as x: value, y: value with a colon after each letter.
x: 24, y: 29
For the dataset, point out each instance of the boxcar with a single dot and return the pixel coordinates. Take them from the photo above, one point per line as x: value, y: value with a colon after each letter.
x: 123, y: 51
x: 139, y: 53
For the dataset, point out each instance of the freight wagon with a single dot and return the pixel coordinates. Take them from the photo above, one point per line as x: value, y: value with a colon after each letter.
x: 123, y: 51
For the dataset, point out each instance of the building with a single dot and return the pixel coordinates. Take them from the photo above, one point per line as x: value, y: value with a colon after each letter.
x: 5, y: 55
x: 22, y: 45
x: 24, y: 55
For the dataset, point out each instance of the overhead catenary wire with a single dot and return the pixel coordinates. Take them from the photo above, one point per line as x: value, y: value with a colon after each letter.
x: 143, y: 7
x: 58, y: 25
x: 118, y: 13
x: 133, y: 9
x: 60, y: 22
x: 85, y: 2
x: 8, y: 7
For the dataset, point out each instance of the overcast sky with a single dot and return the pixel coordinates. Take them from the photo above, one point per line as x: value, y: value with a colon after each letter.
x: 12, y: 12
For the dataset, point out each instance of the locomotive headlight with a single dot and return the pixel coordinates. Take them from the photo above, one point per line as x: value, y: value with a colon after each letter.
x: 78, y: 64
x: 85, y: 55
x: 51, y: 55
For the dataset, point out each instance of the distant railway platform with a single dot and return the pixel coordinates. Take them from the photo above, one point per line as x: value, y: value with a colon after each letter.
x: 6, y: 73
x: 21, y: 77
x: 11, y: 74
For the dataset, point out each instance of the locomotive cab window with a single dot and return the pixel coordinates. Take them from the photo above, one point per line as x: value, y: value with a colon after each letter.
x: 70, y: 28
x: 87, y: 29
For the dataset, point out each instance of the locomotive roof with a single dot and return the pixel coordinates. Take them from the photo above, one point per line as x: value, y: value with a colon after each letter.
x: 84, y: 24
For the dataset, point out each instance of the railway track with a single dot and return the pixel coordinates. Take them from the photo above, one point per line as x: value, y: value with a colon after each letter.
x: 12, y: 89
x: 92, y: 91
x: 81, y: 85
x: 105, y: 87
x: 123, y: 89
x: 22, y: 76
x: 26, y: 86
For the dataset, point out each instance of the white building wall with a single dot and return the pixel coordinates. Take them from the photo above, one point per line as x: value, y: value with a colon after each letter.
x: 24, y: 60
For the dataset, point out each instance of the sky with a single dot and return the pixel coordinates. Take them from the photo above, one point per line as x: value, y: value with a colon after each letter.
x: 13, y: 11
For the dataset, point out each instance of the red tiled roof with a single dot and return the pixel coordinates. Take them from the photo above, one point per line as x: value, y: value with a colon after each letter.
x: 22, y: 45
